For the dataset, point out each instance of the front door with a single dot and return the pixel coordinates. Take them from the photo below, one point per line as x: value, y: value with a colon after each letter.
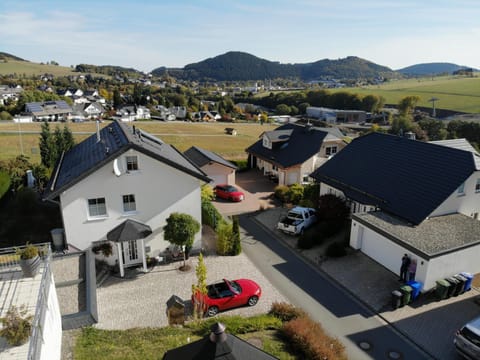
x: 131, y: 253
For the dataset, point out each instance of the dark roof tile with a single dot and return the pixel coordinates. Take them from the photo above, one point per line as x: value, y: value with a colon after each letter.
x: 408, y: 178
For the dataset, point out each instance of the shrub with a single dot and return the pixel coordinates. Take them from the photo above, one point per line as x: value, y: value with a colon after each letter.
x: 311, y: 193
x: 210, y: 215
x: 207, y: 193
x: 307, y: 203
x: 294, y: 193
x: 104, y: 248
x: 336, y: 249
x: 17, y: 325
x: 224, y: 235
x: 306, y: 240
x: 309, y: 338
x: 332, y: 208
x: 28, y: 252
x: 280, y: 192
x: 236, y: 245
x: 285, y: 311
x: 242, y: 165
x: 4, y: 183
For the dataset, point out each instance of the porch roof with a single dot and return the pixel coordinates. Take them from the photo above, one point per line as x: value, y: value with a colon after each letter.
x: 434, y: 237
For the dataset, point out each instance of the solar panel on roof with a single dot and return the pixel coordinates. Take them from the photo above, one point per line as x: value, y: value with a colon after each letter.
x: 62, y: 105
x: 34, y: 107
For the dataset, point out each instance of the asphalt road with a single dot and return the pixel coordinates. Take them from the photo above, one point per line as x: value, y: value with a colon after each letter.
x: 340, y: 314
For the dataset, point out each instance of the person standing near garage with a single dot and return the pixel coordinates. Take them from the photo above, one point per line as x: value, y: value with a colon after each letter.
x: 404, y: 268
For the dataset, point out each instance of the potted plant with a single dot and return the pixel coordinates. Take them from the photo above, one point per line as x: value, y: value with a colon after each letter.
x: 17, y: 325
x: 29, y: 260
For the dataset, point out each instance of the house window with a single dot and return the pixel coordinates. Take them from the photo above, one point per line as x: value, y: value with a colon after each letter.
x: 97, y: 207
x: 330, y: 150
x: 477, y: 186
x: 461, y: 189
x: 129, y: 204
x: 132, y: 163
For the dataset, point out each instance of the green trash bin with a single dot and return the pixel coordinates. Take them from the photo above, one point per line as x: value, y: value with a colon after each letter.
x: 406, y: 291
x: 441, y: 290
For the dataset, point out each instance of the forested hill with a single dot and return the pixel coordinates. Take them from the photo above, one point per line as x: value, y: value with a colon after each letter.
x: 239, y: 66
x: 431, y: 69
x: 5, y: 57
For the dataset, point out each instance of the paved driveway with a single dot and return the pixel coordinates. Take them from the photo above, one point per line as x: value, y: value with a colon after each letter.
x: 258, y: 194
x: 141, y: 301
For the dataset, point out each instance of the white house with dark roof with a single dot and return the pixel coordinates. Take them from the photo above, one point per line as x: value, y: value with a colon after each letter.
x: 221, y: 171
x: 56, y: 110
x: 291, y: 152
x: 412, y: 197
x: 124, y: 173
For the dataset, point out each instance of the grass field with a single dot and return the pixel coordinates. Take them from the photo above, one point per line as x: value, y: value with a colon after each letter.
x: 453, y: 92
x: 210, y: 136
x: 30, y: 68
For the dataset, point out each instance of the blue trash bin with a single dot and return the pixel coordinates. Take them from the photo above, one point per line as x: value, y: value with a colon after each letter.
x: 416, y: 288
x: 468, y: 283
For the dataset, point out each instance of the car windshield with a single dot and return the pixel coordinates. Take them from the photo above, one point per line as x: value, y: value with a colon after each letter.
x: 471, y: 336
x: 230, y: 189
x: 234, y: 286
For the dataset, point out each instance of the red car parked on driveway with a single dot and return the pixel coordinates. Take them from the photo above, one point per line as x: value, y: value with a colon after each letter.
x: 227, y: 294
x: 228, y: 192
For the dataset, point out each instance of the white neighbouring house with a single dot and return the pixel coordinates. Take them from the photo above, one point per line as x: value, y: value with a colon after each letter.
x: 291, y: 152
x: 124, y: 173
x: 412, y: 197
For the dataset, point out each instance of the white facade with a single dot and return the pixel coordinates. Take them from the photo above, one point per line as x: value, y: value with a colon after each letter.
x: 220, y: 174
x: 465, y: 200
x: 158, y: 190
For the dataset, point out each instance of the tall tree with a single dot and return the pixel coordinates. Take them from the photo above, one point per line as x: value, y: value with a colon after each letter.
x: 407, y: 104
x: 199, y: 290
x: 47, y: 145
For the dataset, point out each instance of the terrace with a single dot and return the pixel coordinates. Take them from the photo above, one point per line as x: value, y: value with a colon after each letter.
x: 39, y: 297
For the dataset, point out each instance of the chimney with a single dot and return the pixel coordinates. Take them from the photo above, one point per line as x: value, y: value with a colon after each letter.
x: 98, y: 131
x: 218, y: 333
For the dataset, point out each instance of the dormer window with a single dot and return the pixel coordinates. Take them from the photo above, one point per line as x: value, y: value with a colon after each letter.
x: 330, y: 150
x: 132, y: 163
x: 267, y: 143
x: 461, y: 189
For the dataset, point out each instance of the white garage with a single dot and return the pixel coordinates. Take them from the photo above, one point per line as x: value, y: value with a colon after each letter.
x: 218, y: 169
x: 443, y: 246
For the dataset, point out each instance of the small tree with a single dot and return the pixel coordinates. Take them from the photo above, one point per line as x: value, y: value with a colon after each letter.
x: 224, y: 234
x: 180, y: 230
x: 236, y: 246
x: 199, y: 290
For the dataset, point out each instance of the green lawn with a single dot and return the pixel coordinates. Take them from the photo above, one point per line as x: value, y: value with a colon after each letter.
x: 30, y: 68
x: 152, y: 343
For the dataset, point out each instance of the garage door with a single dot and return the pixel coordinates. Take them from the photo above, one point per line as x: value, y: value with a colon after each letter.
x: 218, y: 179
x: 292, y: 178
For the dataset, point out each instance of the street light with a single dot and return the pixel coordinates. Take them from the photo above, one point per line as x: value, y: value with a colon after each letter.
x: 432, y: 100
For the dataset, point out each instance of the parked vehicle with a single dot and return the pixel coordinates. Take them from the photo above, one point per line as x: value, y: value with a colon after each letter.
x: 228, y: 192
x: 297, y: 220
x: 467, y: 340
x: 227, y: 294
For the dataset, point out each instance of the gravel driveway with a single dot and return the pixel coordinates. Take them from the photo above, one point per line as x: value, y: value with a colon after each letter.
x: 141, y: 301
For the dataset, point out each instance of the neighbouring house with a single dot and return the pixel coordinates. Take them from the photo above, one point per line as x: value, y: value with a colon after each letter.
x: 291, y: 152
x: 56, y: 110
x: 333, y: 116
x: 9, y: 93
x: 180, y: 112
x: 132, y: 113
x: 87, y: 111
x: 38, y: 296
x: 118, y: 174
x: 412, y: 197
x: 216, y: 167
x: 206, y: 116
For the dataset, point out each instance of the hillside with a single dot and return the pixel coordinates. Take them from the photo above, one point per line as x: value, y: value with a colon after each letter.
x: 6, y: 57
x: 239, y: 66
x: 431, y: 69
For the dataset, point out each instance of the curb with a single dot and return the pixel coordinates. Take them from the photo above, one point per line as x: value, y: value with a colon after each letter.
x: 340, y: 286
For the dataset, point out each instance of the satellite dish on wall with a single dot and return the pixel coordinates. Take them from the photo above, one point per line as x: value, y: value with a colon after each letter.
x: 116, y: 168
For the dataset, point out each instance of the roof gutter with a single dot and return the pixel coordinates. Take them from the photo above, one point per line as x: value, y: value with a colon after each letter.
x: 56, y: 173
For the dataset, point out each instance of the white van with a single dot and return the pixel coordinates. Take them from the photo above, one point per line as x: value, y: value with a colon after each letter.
x: 467, y: 340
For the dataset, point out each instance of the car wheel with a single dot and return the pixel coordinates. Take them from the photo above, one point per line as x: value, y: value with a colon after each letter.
x: 252, y: 301
x: 230, y: 199
x: 302, y: 232
x: 212, y: 311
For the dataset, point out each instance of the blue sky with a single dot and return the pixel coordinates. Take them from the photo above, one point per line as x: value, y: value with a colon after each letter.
x: 147, y: 34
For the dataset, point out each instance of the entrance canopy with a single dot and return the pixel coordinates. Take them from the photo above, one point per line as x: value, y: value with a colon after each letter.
x: 129, y: 230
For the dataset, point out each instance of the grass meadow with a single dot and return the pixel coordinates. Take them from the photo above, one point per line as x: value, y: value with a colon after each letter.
x: 182, y: 135
x: 453, y: 92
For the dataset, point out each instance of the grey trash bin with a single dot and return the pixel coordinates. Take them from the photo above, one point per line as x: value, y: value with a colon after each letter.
x: 396, y: 299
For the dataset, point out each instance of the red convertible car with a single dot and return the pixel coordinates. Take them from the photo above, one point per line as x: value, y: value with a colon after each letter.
x: 227, y: 294
x: 228, y: 192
